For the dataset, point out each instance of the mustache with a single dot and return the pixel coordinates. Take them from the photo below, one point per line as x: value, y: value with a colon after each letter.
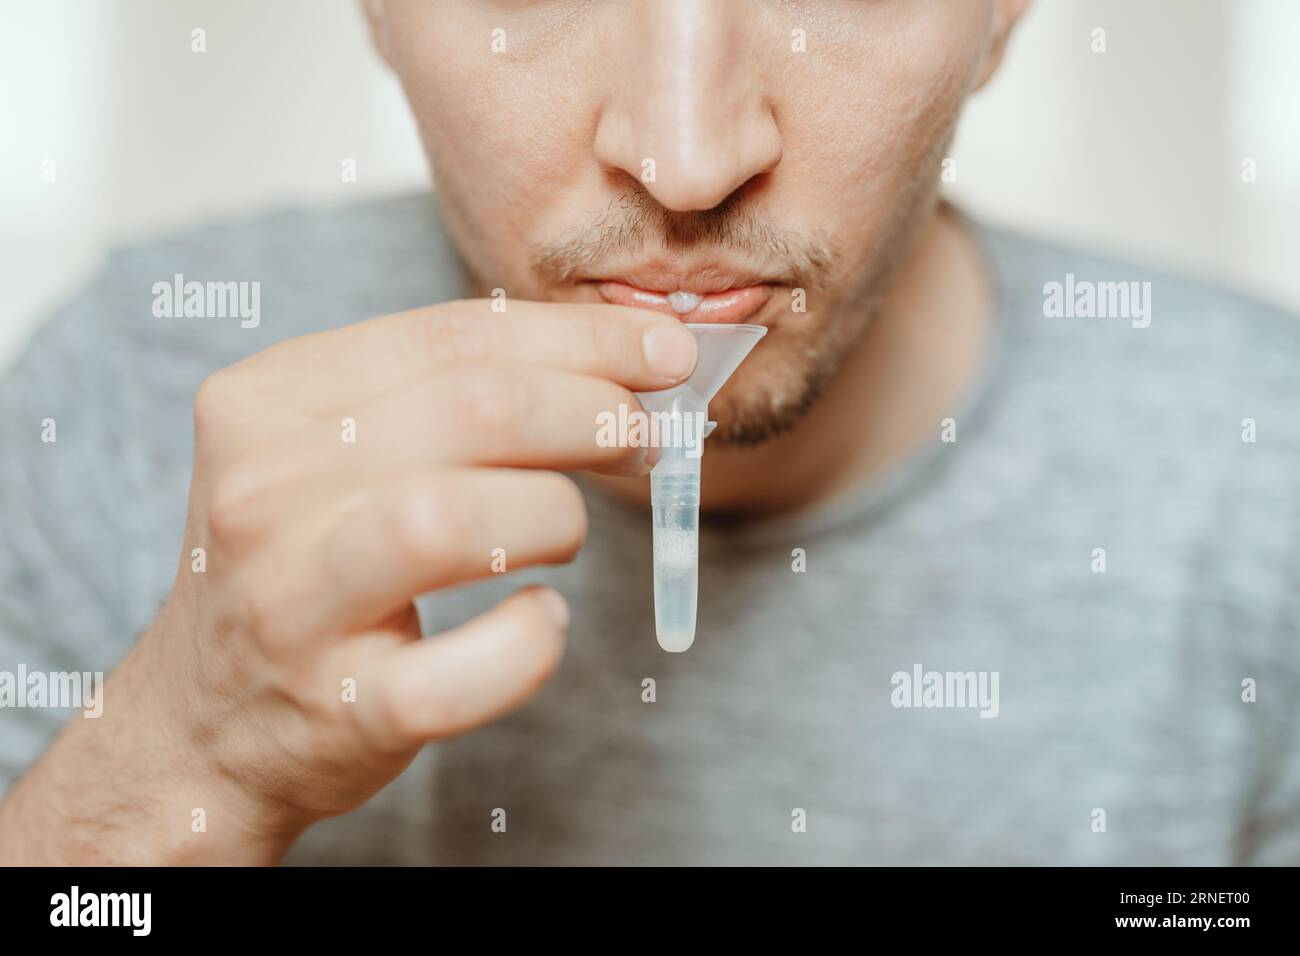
x: 634, y: 221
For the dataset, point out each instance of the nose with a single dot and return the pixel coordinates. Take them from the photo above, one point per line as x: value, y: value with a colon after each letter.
x: 688, y: 115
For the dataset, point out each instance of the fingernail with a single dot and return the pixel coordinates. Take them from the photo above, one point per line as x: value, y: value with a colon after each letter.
x: 669, y: 350
x: 555, y: 606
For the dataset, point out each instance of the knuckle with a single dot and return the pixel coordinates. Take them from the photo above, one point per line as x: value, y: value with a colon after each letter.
x: 422, y: 519
x: 629, y: 451
x: 413, y: 716
x: 220, y: 409
x: 400, y: 718
x: 604, y: 339
x: 490, y: 398
x: 459, y: 336
x: 229, y: 503
x: 213, y: 395
x: 566, y: 502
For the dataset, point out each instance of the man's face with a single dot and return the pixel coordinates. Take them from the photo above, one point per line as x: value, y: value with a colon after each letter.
x: 774, y: 158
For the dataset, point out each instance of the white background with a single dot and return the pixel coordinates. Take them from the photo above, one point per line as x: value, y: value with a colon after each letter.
x: 1137, y: 150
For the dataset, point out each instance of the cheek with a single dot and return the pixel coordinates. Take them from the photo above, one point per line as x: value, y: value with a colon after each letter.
x: 500, y: 128
x: 865, y: 118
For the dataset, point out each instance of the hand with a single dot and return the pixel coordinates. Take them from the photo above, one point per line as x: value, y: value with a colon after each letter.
x: 336, y: 477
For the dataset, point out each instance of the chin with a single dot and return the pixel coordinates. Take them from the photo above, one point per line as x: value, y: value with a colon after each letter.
x: 763, y: 401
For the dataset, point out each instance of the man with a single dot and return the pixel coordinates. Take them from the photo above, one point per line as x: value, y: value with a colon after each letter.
x: 982, y: 584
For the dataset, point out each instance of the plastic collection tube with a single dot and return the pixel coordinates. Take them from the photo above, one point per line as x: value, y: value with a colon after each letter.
x: 675, y: 478
x: 675, y: 507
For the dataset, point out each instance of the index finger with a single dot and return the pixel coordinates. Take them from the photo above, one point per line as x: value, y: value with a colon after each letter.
x: 637, y: 348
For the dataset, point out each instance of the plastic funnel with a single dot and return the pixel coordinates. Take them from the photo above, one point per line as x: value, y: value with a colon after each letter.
x: 681, y: 414
x: 721, y: 350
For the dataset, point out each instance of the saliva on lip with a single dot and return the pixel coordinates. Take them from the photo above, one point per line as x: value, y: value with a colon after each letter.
x: 684, y: 302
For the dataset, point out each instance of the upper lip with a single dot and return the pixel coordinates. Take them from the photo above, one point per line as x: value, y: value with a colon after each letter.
x: 703, y: 279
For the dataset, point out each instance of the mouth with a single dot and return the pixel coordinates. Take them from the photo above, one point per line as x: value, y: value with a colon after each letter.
x: 705, y: 296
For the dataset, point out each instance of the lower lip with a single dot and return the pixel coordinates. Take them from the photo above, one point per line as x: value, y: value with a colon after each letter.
x: 729, y: 308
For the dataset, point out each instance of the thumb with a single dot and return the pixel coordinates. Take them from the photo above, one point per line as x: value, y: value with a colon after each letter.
x: 471, y: 674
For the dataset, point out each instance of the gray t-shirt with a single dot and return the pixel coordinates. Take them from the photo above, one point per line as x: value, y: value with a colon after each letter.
x: 1142, y: 714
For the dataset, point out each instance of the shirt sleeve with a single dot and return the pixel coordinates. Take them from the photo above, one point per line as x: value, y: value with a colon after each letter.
x: 1270, y: 833
x: 77, y: 583
x: 1268, y: 686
